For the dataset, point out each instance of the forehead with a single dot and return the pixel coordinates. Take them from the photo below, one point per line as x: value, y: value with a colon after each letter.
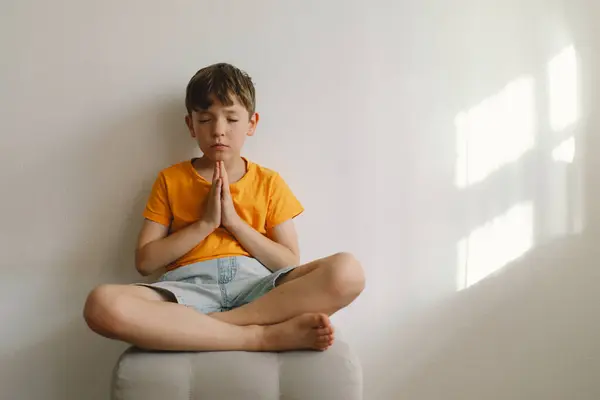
x: 215, y: 105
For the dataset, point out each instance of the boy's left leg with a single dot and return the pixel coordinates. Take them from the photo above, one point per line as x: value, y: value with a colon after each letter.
x: 321, y: 286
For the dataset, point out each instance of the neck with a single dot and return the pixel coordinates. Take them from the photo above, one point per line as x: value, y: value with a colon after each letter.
x: 235, y: 164
x: 232, y: 164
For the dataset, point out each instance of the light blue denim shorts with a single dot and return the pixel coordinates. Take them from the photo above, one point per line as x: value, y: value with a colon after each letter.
x: 219, y: 284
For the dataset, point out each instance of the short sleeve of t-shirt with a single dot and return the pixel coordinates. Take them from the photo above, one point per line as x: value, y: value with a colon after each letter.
x: 157, y: 208
x: 283, y: 204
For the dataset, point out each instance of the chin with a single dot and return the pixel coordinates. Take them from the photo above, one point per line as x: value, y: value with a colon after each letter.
x: 216, y: 156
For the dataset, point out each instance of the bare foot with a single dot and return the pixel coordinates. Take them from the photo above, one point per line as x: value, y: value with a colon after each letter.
x: 306, y: 331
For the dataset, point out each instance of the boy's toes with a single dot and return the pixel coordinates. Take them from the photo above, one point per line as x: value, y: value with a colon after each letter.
x: 323, y: 339
x: 324, y: 321
x: 324, y: 331
x: 322, y: 344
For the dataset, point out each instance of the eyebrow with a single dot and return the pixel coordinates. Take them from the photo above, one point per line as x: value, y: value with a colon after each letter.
x: 226, y: 111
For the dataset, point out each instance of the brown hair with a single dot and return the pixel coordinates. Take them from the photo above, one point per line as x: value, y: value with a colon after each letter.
x: 223, y: 81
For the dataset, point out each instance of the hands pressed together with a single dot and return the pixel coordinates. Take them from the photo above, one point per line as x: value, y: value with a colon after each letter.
x: 220, y: 210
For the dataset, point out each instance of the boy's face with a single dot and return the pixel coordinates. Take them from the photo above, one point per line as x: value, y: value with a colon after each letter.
x: 221, y: 130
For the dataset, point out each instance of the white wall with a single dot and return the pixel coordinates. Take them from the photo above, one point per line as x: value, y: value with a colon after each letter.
x: 92, y: 108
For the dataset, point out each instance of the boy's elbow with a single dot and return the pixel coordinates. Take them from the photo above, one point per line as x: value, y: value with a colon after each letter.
x: 141, y: 263
x: 142, y: 271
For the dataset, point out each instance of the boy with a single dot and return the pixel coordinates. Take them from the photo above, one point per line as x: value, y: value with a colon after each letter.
x: 223, y: 228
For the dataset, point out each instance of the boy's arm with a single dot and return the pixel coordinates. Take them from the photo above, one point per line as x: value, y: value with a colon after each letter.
x: 274, y: 254
x: 155, y: 249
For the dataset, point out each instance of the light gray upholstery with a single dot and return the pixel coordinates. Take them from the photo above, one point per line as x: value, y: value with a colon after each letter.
x: 334, y: 374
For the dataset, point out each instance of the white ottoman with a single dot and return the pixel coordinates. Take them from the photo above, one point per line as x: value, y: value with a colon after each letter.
x: 334, y: 374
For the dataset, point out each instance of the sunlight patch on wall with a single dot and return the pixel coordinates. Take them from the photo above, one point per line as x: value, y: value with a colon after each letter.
x: 496, y: 132
x: 563, y: 89
x: 495, y: 244
x: 565, y: 151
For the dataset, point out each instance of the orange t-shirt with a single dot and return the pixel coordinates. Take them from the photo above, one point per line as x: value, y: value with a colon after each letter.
x: 261, y: 197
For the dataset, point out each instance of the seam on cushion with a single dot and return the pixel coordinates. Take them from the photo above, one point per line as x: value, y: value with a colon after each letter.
x: 116, y: 386
x: 190, y: 378
x: 279, y: 362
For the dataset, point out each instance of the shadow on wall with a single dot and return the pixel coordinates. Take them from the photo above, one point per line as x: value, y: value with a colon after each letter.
x: 116, y: 167
x: 529, y: 333
x: 121, y: 165
x: 522, y: 324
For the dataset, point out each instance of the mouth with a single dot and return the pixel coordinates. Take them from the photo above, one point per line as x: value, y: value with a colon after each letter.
x: 219, y: 146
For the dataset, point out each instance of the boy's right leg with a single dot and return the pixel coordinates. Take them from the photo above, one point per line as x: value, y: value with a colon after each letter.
x: 144, y: 318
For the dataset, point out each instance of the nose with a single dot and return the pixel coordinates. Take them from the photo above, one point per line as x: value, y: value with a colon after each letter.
x: 219, y: 127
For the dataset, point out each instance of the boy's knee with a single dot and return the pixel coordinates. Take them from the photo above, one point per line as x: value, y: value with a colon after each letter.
x: 346, y: 276
x: 101, y: 311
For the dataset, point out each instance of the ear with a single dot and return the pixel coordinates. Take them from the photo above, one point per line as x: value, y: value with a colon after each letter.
x: 252, y: 124
x: 189, y: 122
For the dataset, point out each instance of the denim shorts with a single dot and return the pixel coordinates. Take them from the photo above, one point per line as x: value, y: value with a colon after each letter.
x: 219, y: 284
